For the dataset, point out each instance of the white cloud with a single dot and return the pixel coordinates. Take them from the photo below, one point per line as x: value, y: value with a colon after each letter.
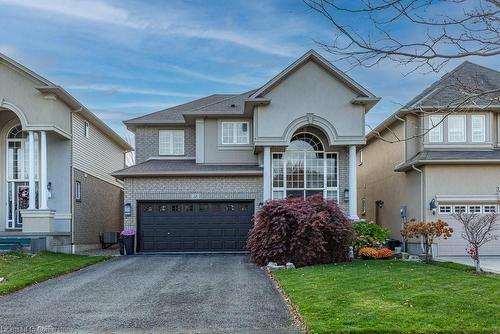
x: 174, y: 24
x: 83, y: 9
x: 129, y: 90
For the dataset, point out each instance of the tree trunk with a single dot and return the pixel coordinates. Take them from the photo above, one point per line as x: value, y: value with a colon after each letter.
x: 478, y: 265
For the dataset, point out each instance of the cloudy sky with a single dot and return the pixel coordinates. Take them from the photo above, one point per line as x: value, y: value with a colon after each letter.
x: 126, y: 58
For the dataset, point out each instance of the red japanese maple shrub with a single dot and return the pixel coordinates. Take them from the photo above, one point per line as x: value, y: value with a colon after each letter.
x: 303, y: 231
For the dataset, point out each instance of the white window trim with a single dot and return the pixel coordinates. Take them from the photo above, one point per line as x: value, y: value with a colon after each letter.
x: 464, y: 128
x: 490, y: 205
x: 461, y: 205
x: 443, y: 211
x: 86, y: 129
x: 325, y: 177
x: 483, y: 134
x: 475, y: 205
x: 170, y: 150
x: 235, y: 133
x: 436, y: 126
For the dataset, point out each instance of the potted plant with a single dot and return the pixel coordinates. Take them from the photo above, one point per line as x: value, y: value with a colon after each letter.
x: 128, y: 236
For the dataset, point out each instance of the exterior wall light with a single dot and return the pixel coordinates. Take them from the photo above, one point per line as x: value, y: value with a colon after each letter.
x: 127, y: 210
x: 346, y: 195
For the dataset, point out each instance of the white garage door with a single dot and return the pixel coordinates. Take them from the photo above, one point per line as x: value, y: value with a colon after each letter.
x: 455, y: 246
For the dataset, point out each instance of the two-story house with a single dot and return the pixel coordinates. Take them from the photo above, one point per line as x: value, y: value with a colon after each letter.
x: 437, y: 155
x: 204, y: 167
x: 56, y: 158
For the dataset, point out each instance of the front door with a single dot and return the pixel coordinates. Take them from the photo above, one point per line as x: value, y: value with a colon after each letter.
x: 18, y: 192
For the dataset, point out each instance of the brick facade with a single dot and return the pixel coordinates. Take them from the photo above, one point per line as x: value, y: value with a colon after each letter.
x: 147, y: 142
x: 190, y: 188
x: 100, y: 209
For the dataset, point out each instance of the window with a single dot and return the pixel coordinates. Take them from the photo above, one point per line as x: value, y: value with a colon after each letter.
x: 171, y: 142
x: 360, y: 157
x: 459, y: 208
x: 456, y: 129
x: 162, y: 208
x: 86, y: 129
x: 235, y: 133
x: 444, y: 209
x: 175, y: 208
x: 474, y: 208
x: 78, y: 191
x: 435, y: 129
x: 490, y: 209
x: 478, y: 128
x: 305, y: 169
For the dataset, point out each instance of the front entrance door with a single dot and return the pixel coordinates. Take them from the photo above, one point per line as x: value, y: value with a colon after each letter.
x: 18, y: 192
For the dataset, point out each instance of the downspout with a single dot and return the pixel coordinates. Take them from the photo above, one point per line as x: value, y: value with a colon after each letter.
x: 71, y: 185
x: 422, y: 207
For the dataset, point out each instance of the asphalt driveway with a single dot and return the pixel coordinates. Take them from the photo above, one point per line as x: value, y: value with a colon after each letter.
x: 169, y: 294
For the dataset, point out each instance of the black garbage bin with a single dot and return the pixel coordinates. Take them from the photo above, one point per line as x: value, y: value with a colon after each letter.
x: 122, y: 245
x: 128, y: 240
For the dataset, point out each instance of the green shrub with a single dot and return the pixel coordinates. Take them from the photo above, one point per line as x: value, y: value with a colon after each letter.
x: 369, y: 235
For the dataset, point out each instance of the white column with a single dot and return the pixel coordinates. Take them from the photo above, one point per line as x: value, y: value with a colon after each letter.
x: 31, y: 170
x: 353, y: 198
x: 43, y: 171
x: 267, y: 173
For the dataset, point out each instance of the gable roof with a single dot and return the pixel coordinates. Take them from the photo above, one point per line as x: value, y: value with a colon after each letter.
x: 47, y: 87
x: 314, y: 56
x: 445, y: 92
x: 448, y: 90
x: 235, y: 104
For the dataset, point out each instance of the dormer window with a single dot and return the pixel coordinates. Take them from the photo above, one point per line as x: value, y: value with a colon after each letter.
x: 171, y: 142
x: 235, y: 133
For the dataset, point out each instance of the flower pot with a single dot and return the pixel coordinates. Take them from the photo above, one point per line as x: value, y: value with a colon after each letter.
x: 128, y: 240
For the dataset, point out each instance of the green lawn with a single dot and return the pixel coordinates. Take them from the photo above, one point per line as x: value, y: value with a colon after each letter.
x: 394, y: 297
x: 21, y: 269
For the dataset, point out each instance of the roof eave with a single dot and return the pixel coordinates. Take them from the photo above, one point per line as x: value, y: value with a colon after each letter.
x: 406, y: 167
x: 77, y: 107
x: 121, y: 176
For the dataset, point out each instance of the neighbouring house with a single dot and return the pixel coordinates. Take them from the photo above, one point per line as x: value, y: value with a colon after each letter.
x: 56, y: 159
x: 204, y: 167
x: 437, y: 155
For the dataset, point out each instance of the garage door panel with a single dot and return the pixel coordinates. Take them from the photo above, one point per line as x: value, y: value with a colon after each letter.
x: 455, y: 246
x: 194, y: 226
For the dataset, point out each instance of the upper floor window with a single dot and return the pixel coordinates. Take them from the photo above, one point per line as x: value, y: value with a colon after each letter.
x: 456, y: 129
x: 86, y: 129
x: 171, y: 142
x: 435, y: 128
x: 235, y: 133
x: 478, y: 128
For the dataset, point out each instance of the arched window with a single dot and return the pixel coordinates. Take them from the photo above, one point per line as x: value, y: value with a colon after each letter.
x: 306, y: 142
x: 17, y: 133
x: 305, y: 169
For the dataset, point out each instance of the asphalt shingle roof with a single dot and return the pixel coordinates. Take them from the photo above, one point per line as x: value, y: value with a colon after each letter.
x: 182, y: 167
x: 212, y: 104
x: 441, y: 156
x: 450, y: 91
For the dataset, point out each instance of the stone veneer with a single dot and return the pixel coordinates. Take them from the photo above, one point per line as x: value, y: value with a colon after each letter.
x: 147, y: 141
x: 190, y: 188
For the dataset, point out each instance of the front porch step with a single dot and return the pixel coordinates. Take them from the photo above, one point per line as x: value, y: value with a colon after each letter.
x: 10, y: 243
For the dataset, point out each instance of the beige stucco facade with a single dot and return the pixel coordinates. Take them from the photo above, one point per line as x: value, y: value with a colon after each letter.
x: 377, y: 181
x: 64, y: 136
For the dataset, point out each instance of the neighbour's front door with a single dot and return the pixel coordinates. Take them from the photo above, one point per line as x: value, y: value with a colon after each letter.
x: 18, y: 192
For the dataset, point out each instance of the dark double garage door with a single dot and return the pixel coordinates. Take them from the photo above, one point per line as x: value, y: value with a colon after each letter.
x: 194, y: 226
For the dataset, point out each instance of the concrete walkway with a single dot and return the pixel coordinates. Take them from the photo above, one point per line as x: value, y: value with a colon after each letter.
x: 159, y: 294
x: 488, y: 263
